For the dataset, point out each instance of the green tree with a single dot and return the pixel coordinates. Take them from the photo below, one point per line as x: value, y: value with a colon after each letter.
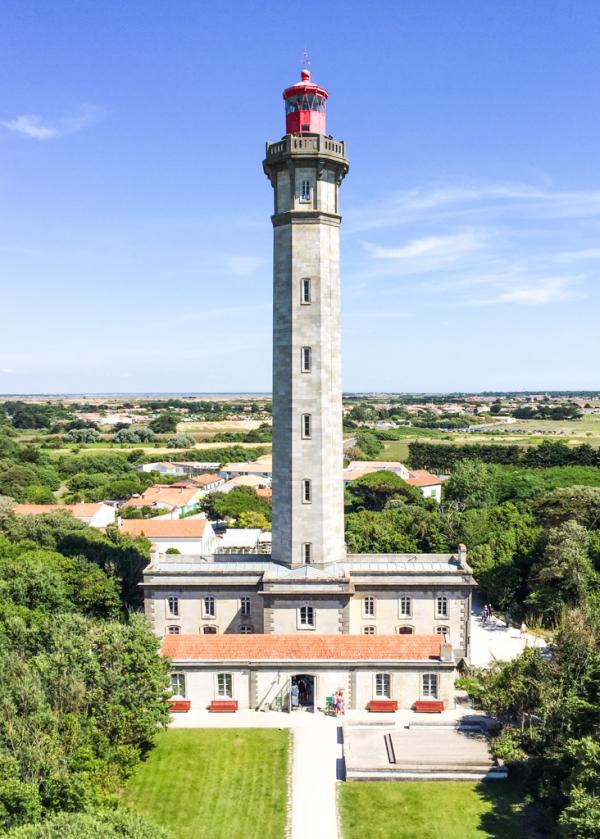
x: 471, y: 484
x: 165, y: 423
x: 82, y: 435
x: 253, y: 519
x: 375, y: 490
x: 95, y: 824
x: 563, y: 576
x: 180, y: 441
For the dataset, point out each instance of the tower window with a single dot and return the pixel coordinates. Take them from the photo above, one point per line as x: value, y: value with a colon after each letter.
x: 306, y: 553
x: 173, y: 606
x: 305, y: 194
x: 305, y: 291
x: 306, y: 426
x: 306, y: 491
x: 306, y: 359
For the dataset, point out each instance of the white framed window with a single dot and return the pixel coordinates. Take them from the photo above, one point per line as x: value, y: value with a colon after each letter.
x: 244, y: 606
x: 442, y: 630
x: 430, y: 686
x: 368, y: 605
x: 246, y: 629
x: 208, y: 606
x: 305, y: 191
x: 306, y: 359
x: 307, y: 553
x: 305, y: 291
x: 306, y: 617
x: 441, y: 606
x: 173, y: 630
x: 178, y: 684
x: 209, y: 630
x: 306, y: 426
x: 224, y: 685
x: 307, y: 491
x: 173, y: 606
x: 369, y: 630
x: 383, y: 686
x: 405, y: 606
x: 404, y: 630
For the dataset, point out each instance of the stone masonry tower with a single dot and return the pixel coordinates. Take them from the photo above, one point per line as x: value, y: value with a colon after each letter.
x: 306, y: 169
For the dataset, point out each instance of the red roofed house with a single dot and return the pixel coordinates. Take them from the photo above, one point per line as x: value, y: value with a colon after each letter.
x: 281, y: 671
x: 96, y: 514
x: 188, y: 536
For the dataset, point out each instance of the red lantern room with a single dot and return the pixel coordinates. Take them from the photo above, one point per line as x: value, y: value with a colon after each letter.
x: 305, y: 107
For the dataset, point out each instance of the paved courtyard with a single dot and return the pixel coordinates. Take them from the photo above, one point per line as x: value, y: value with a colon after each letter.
x: 494, y: 640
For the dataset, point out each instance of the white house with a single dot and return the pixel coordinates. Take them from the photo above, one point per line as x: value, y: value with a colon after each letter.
x: 163, y: 467
x: 259, y: 468
x: 174, y: 500
x: 188, y: 536
x: 96, y: 514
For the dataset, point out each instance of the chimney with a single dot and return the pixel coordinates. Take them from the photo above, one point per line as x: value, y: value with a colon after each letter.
x: 153, y: 554
x: 462, y: 555
x: 446, y: 653
x: 119, y: 522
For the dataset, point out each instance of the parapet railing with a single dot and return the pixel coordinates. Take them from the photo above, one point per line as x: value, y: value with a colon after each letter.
x: 307, y: 143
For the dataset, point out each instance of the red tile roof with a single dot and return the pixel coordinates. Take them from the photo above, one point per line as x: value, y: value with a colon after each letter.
x: 301, y: 647
x: 165, y: 528
x: 425, y: 479
x: 82, y: 510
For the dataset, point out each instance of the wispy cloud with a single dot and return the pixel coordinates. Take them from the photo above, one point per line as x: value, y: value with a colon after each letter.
x: 538, y: 293
x: 242, y: 266
x: 436, y: 249
x: 38, y: 128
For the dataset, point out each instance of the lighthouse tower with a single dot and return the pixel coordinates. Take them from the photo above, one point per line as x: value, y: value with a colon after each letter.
x: 306, y: 168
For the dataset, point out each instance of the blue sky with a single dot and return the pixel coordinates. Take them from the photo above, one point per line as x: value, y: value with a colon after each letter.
x: 135, y: 240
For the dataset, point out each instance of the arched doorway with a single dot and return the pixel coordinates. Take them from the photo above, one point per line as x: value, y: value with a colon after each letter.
x: 302, y: 692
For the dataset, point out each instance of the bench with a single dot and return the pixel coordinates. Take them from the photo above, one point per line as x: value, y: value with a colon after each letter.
x: 179, y: 705
x: 382, y: 705
x: 429, y: 706
x: 223, y: 705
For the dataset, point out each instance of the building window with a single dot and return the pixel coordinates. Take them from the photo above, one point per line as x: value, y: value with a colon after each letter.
x: 368, y: 630
x: 173, y: 630
x: 404, y: 630
x: 244, y: 605
x: 178, y: 684
x: 246, y: 630
x: 430, y: 686
x: 305, y: 298
x: 209, y: 630
x: 306, y: 359
x: 173, y: 606
x: 208, y: 605
x: 442, y: 630
x: 306, y: 426
x: 441, y: 607
x: 306, y: 491
x: 224, y: 685
x: 382, y: 686
x: 368, y: 607
x: 305, y: 194
x: 405, y: 607
x: 306, y: 617
x: 307, y: 553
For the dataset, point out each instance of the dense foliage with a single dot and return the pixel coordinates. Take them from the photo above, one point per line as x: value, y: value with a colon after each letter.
x: 81, y: 691
x: 236, y: 504
x: 441, y: 457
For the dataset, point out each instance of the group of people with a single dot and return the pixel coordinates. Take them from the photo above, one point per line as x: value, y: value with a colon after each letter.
x: 487, y: 613
x: 339, y: 703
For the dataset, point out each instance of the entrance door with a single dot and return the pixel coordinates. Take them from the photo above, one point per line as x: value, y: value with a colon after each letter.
x: 302, y: 692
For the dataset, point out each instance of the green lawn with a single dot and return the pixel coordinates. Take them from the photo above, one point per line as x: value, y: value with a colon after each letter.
x: 434, y: 809
x: 215, y: 784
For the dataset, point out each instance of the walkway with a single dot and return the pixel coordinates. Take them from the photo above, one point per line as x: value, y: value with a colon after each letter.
x: 494, y: 640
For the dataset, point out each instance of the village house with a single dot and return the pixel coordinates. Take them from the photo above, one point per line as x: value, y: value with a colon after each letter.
x: 259, y: 468
x: 429, y: 485
x: 175, y: 501
x: 96, y: 514
x: 188, y: 536
x: 163, y: 467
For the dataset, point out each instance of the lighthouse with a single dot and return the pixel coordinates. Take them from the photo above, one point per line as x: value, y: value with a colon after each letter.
x: 306, y: 168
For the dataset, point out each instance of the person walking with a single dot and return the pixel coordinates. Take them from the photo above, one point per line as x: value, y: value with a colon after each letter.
x: 523, y: 629
x: 341, y: 707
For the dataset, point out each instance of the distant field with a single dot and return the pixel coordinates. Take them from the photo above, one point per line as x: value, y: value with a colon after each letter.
x: 215, y: 783
x: 430, y: 810
x: 215, y: 427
